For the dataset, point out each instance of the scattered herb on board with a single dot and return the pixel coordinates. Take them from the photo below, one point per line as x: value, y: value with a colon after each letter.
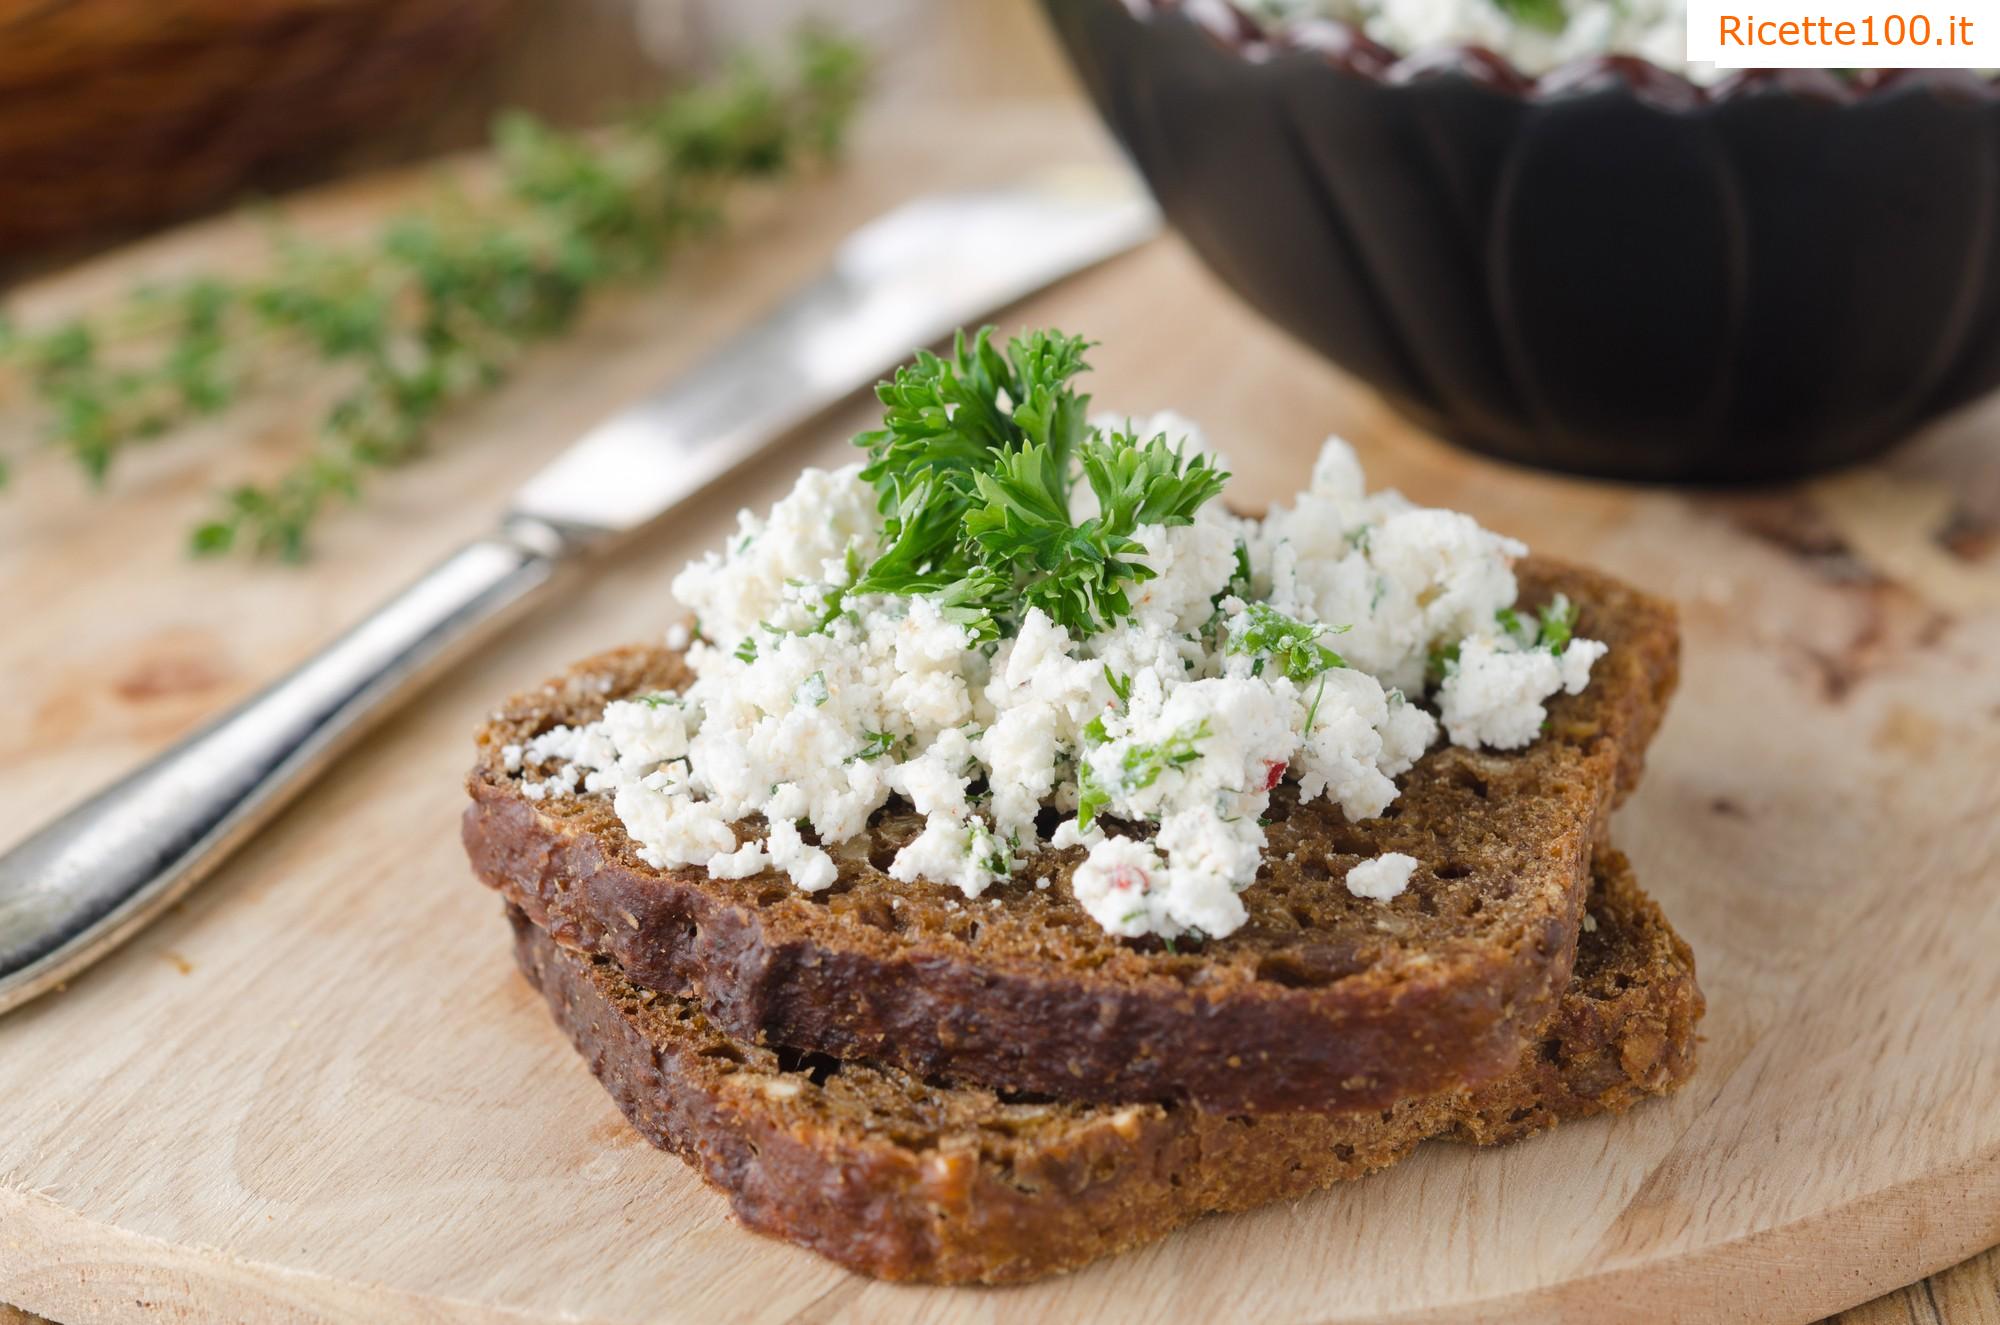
x: 436, y: 306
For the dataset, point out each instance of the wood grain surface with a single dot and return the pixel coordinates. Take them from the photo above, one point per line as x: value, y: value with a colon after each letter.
x: 318, y: 1092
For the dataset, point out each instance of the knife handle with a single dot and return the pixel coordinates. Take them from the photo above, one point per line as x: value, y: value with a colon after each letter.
x: 84, y: 883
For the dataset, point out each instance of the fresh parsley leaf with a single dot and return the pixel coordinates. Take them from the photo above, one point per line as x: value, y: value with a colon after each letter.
x: 879, y: 744
x: 974, y: 466
x: 747, y: 650
x: 1312, y: 712
x: 1138, y: 768
x: 1147, y: 483
x: 1091, y: 795
x: 1121, y: 685
x: 1241, y: 581
x: 1558, y: 624
x: 1264, y: 633
x: 1047, y: 412
x: 661, y: 700
x: 1553, y: 630
x: 1443, y: 662
x: 1142, y: 765
x: 993, y: 856
x: 975, y: 601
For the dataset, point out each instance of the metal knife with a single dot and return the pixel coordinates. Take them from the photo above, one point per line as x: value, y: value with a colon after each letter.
x: 79, y: 887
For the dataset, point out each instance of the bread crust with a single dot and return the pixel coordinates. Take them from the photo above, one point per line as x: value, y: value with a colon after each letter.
x: 1321, y: 1002
x: 904, y: 1179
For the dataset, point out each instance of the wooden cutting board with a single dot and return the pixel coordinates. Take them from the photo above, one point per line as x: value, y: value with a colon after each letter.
x: 318, y: 1091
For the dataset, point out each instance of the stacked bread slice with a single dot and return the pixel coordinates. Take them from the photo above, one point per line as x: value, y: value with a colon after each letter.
x: 922, y: 1086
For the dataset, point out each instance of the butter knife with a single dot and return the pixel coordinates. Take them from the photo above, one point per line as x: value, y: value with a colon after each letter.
x: 79, y: 887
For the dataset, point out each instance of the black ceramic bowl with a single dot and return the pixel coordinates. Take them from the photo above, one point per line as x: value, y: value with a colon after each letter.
x: 1607, y: 270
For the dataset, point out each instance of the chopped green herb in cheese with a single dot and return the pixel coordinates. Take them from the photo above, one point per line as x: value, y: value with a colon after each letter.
x: 1011, y: 606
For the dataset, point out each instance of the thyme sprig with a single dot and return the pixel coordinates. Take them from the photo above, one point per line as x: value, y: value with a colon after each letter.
x: 434, y: 308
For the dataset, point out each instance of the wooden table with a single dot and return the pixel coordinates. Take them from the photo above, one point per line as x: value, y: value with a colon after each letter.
x: 132, y: 646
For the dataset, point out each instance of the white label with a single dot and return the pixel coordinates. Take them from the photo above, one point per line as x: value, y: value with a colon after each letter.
x: 1845, y: 34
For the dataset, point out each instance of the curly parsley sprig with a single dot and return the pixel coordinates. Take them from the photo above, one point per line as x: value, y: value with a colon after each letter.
x: 976, y: 463
x: 437, y: 306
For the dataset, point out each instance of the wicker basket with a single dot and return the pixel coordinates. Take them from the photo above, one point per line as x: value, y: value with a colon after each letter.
x: 115, y: 113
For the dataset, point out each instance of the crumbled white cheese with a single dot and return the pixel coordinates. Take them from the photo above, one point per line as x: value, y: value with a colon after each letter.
x: 1403, y: 579
x: 746, y: 860
x: 1158, y: 740
x: 1494, y: 694
x: 1382, y: 878
x: 647, y: 731
x: 1655, y: 30
x: 959, y: 851
x: 804, y: 541
x: 810, y: 867
x: 1119, y: 884
x: 1190, y: 564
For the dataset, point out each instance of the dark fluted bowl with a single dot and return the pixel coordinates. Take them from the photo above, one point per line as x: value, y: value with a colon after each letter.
x: 1607, y: 270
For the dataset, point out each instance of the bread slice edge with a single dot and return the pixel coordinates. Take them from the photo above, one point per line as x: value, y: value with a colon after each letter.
x: 905, y: 1180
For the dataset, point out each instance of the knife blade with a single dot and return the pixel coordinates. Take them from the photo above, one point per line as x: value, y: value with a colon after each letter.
x: 906, y: 279
x: 81, y: 885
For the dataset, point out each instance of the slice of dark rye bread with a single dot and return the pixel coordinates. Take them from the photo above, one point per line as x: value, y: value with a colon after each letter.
x: 1321, y: 1001
x: 905, y: 1179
